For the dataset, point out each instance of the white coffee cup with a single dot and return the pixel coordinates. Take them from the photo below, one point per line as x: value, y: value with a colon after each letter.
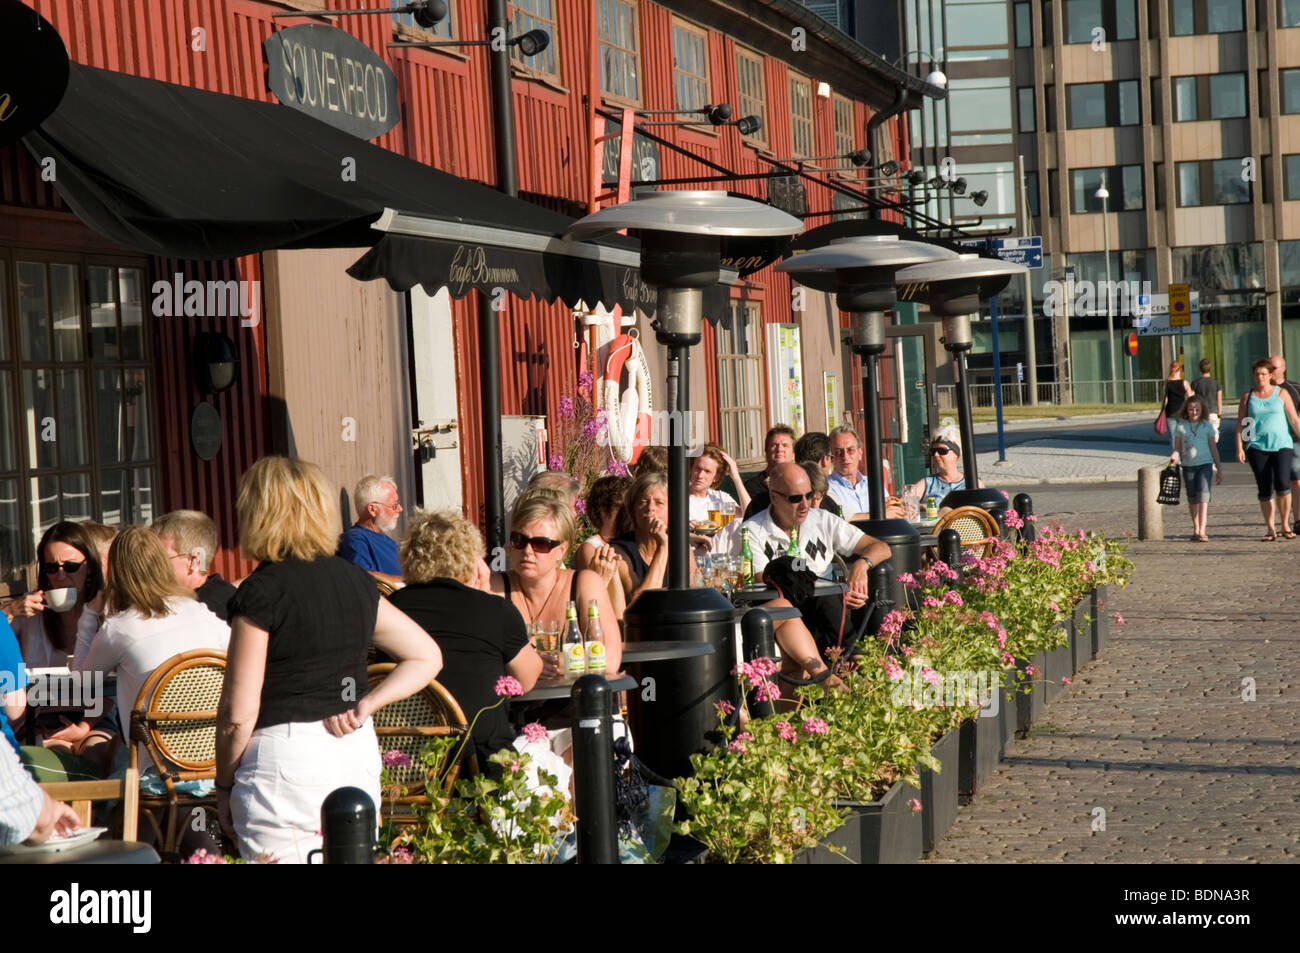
x: 61, y: 600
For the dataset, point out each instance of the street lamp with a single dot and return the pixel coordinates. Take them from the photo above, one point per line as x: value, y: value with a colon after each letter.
x: 936, y: 76
x: 1104, y: 194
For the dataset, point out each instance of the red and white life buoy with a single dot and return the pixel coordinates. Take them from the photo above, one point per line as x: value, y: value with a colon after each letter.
x: 627, y: 409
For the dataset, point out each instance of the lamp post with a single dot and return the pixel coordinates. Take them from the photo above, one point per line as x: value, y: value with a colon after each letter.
x: 1104, y: 194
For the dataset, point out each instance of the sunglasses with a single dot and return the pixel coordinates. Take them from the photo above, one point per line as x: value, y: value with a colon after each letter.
x: 69, y: 567
x: 798, y: 498
x: 540, y: 544
x: 941, y: 451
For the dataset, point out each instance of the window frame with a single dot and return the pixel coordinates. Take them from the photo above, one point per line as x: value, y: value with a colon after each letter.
x: 845, y: 141
x: 1287, y: 162
x: 1112, y: 104
x: 1201, y: 17
x: 689, y: 29
x: 1202, y: 83
x: 745, y: 103
x: 793, y: 79
x: 1205, y: 183
x: 604, y: 42
x: 742, y: 366
x: 1114, y: 184
x: 522, y: 20
x: 1026, y: 119
x: 1283, y: 100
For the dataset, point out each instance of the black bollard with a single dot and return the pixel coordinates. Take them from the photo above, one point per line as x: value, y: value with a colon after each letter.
x: 882, y: 595
x: 757, y: 641
x: 1024, y: 505
x: 347, y: 823
x: 593, y: 771
x: 950, y: 548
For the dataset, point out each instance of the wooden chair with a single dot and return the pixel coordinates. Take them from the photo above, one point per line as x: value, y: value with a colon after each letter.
x: 406, y: 725
x: 975, y: 526
x: 175, y: 719
x: 80, y: 794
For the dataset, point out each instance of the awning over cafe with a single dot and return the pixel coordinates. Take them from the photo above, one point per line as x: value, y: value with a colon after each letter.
x: 184, y: 173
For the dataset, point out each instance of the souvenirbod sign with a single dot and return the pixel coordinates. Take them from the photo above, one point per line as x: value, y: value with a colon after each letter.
x: 33, y: 70
x: 334, y: 77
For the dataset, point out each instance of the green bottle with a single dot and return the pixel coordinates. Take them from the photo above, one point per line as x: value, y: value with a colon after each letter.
x: 793, y: 549
x: 746, y: 560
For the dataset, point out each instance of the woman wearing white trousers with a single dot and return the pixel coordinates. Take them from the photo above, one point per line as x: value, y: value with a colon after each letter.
x: 294, y: 718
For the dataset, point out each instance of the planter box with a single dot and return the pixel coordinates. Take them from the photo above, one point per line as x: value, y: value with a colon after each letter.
x: 939, y: 791
x: 1100, y: 613
x: 981, y: 750
x: 1007, y: 709
x: 1058, y: 664
x: 1030, y: 706
x: 1081, y: 633
x: 887, y: 831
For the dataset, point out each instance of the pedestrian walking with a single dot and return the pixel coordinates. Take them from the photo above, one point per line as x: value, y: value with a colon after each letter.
x: 1177, y: 390
x: 1264, y: 440
x: 1198, y: 454
x: 1210, y: 391
x: 1278, y: 363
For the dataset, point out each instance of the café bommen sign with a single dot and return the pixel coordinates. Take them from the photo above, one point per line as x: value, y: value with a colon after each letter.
x: 33, y: 70
x: 332, y: 76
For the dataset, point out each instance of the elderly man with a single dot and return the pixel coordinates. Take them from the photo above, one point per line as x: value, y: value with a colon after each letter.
x: 848, y: 485
x: 1291, y: 387
x: 191, y: 541
x: 778, y: 448
x: 367, y: 543
x: 820, y: 535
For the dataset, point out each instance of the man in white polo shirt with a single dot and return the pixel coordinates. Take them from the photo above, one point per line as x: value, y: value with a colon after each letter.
x: 821, y: 535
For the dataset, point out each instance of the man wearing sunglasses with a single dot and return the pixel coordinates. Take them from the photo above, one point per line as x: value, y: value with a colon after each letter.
x: 821, y: 535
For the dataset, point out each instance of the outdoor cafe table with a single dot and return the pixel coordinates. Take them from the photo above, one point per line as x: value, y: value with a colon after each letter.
x: 636, y: 652
x: 752, y: 595
x: 96, y: 852
x: 549, y: 689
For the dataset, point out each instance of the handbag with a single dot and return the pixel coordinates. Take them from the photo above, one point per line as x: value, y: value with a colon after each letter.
x: 1171, y: 486
x: 1162, y: 425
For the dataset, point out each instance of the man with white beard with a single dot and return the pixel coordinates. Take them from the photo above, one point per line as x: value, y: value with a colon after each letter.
x: 367, y: 543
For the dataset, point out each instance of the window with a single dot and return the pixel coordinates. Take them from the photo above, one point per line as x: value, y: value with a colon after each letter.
x: 980, y: 111
x: 75, y: 364
x: 690, y: 67
x: 1158, y: 186
x: 1053, y: 188
x: 1031, y: 193
x: 1047, y: 22
x: 442, y: 28
x: 1223, y: 267
x: 845, y: 133
x: 1099, y: 105
x: 1290, y: 13
x: 1124, y: 183
x: 1290, y: 80
x: 1049, y: 109
x: 1024, y: 26
x: 976, y: 22
x: 1025, y: 109
x: 740, y: 400
x: 801, y: 116
x: 1212, y: 182
x: 753, y: 90
x: 1291, y: 176
x: 619, y: 59
x: 1189, y: 17
x: 1117, y: 18
x: 1222, y: 96
x: 528, y: 15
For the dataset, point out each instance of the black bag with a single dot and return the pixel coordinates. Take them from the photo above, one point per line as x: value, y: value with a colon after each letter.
x: 832, y: 623
x: 1171, y: 486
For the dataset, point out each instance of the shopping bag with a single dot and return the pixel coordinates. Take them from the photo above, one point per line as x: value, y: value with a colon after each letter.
x: 1171, y: 486
x: 1162, y: 425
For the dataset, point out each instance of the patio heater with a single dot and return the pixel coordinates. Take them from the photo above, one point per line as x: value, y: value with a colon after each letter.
x: 684, y: 236
x: 860, y: 271
x: 956, y: 288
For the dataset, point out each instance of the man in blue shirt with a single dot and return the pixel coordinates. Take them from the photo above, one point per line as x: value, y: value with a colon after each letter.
x: 847, y: 484
x: 367, y: 543
x: 13, y: 683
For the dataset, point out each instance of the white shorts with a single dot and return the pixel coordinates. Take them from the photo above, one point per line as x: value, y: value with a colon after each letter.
x: 285, y: 775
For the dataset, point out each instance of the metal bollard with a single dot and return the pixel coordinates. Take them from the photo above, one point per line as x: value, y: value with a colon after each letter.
x: 757, y: 641
x: 1024, y: 505
x: 950, y: 547
x: 593, y: 771
x: 1151, y: 521
x: 882, y: 595
x: 347, y: 823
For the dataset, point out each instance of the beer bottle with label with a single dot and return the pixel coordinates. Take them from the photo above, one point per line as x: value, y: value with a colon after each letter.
x: 573, y: 652
x: 793, y: 549
x: 746, y: 560
x: 595, y: 642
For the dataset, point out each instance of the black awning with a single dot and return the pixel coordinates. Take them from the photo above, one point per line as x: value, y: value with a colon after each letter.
x: 184, y: 173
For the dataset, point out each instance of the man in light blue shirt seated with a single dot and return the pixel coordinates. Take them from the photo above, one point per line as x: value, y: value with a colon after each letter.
x: 847, y: 485
x: 367, y: 543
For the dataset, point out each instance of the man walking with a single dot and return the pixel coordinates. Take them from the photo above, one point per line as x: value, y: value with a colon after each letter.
x: 367, y: 543
x: 1211, y: 393
x: 1291, y: 387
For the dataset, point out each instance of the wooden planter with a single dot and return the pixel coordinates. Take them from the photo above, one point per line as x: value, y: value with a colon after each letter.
x: 886, y: 831
x: 1030, y: 706
x: 1100, y: 619
x: 1081, y: 633
x: 1057, y: 664
x: 939, y: 791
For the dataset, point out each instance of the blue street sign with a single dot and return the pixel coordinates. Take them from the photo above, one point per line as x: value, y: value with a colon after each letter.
x: 1022, y: 251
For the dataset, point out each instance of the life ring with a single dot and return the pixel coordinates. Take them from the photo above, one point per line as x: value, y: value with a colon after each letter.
x: 627, y: 410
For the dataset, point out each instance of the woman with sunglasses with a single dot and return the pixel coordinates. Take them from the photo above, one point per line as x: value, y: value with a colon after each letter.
x: 643, y: 543
x: 542, y: 528
x: 945, y: 461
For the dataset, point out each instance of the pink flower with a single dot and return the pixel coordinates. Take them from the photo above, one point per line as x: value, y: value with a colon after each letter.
x: 1119, y: 619
x: 814, y: 726
x: 1031, y: 670
x: 953, y: 598
x: 725, y: 708
x: 1008, y: 658
x: 1013, y: 519
x: 765, y: 691
x: 400, y: 855
x: 907, y: 651
x: 516, y: 765
x: 616, y: 468
x: 763, y: 667
x: 594, y: 425
x: 396, y: 758
x: 1032, y: 518
x: 566, y: 406
x: 1082, y: 536
x: 892, y: 622
x: 930, y: 577
x: 536, y: 733
x: 1054, y: 607
x: 1066, y: 681
x: 908, y: 580
x: 915, y: 805
x: 946, y: 571
x: 786, y: 730
x: 584, y: 380
x: 893, y: 670
x: 1002, y: 638
x: 202, y: 856
x: 737, y: 746
x: 508, y: 685
x: 931, y: 676
x: 931, y: 602
x: 555, y: 463
x: 989, y: 619
x: 1089, y: 566
x: 580, y: 505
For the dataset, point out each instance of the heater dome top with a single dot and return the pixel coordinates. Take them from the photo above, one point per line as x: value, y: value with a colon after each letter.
x: 963, y: 268
x: 694, y: 212
x: 864, y: 251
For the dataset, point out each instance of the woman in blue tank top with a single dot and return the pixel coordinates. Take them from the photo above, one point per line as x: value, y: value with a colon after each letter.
x: 1264, y: 440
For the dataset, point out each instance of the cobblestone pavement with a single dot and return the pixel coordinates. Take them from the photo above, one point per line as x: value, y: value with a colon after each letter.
x: 1155, y: 731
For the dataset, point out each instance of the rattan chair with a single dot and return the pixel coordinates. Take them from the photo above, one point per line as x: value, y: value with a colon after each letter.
x: 175, y: 719
x: 975, y: 526
x: 406, y: 725
x: 80, y: 794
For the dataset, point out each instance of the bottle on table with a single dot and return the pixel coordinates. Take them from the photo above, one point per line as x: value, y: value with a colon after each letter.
x: 931, y: 507
x: 792, y: 550
x: 595, y: 642
x: 746, y: 560
x: 572, y: 651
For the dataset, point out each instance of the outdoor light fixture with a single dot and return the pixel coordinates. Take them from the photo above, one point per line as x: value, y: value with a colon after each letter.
x: 859, y: 157
x: 215, y: 361
x: 958, y: 186
x: 980, y: 197
x: 887, y: 169
x: 955, y: 290
x: 935, y: 77
x: 748, y: 125
x: 915, y: 177
x: 427, y: 13
x: 530, y: 43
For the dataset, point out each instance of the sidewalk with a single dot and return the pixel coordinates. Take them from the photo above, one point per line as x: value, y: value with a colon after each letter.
x: 1076, y: 458
x: 1188, y: 760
